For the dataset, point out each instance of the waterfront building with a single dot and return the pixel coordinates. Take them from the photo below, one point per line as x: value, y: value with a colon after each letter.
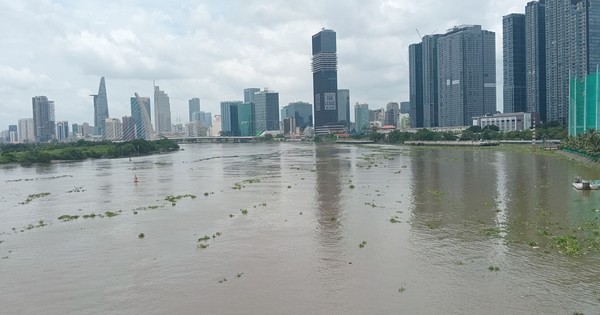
x: 505, y: 122
x: 392, y: 110
x: 162, y: 112
x: 197, y: 128
x: 415, y: 59
x: 62, y: 130
x: 194, y: 107
x: 100, y: 107
x: 343, y: 99
x: 229, y: 118
x: 26, y: 130
x: 266, y: 111
x: 361, y: 117
x: 514, y: 63
x: 467, y: 75
x: 302, y: 113
x: 140, y: 111
x: 216, y: 126
x: 43, y: 119
x: 429, y: 75
x: 535, y: 59
x: 289, y: 126
x: 325, y: 89
x: 572, y: 49
x: 245, y: 119
x: 584, y: 103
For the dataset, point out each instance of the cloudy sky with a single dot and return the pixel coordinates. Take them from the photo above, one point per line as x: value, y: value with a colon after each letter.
x: 213, y: 49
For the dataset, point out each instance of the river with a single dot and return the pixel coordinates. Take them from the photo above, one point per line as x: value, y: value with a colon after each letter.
x: 299, y: 228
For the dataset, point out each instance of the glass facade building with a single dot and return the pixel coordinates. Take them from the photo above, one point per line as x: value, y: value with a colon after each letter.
x: 324, y: 69
x: 100, y: 107
x: 513, y: 47
x: 245, y: 116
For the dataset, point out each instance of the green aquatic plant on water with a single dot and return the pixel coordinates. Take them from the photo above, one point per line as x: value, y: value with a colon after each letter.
x: 31, y: 197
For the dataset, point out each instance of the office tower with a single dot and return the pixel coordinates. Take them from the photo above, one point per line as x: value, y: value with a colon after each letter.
x: 100, y: 107
x: 196, y: 128
x: 13, y: 134
x: 467, y: 75
x: 162, y: 112
x: 249, y: 94
x: 405, y: 107
x: 289, y: 126
x: 343, y: 99
x: 415, y: 59
x: 128, y: 125
x: 43, y: 118
x: 26, y: 130
x: 245, y: 119
x: 140, y: 111
x: 86, y: 130
x: 392, y: 110
x: 535, y: 59
x: 62, y: 130
x: 513, y: 47
x: 113, y: 130
x: 216, y: 126
x: 324, y: 69
x: 361, y: 117
x: 302, y: 113
x: 430, y: 80
x: 76, y: 129
x: 572, y: 50
x: 266, y: 111
x: 229, y: 118
x: 194, y: 107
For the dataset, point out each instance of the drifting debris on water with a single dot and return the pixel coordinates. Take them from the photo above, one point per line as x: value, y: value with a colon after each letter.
x: 31, y: 197
x: 202, y: 245
x: 244, y: 211
x: 141, y: 235
x: 494, y: 268
x: 361, y: 245
x: 401, y: 290
x: 67, y: 217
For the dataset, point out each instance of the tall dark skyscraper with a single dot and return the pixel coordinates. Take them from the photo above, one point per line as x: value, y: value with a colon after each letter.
x: 100, y: 107
x: 43, y: 119
x: 325, y: 87
x: 415, y: 60
x: 535, y: 58
x: 513, y: 47
x: 266, y: 111
x: 430, y: 82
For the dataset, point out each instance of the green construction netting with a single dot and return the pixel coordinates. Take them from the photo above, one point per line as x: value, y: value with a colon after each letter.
x: 584, y: 106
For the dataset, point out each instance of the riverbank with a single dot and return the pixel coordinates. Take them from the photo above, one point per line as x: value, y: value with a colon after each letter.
x: 579, y: 158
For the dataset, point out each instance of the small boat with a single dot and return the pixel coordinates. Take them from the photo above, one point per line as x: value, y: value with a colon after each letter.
x: 581, y: 184
x: 135, y: 179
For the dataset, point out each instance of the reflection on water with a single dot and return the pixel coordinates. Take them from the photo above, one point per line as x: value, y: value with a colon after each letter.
x: 435, y: 222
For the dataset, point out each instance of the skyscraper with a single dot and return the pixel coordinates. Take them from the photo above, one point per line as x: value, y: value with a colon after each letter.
x: 162, y: 112
x: 514, y: 61
x: 114, y: 129
x: 229, y: 118
x: 361, y: 117
x: 266, y: 111
x: 26, y: 130
x: 100, y: 107
x: 344, y: 107
x: 324, y: 69
x: 302, y: 113
x: 572, y: 49
x: 429, y: 86
x: 43, y: 118
x: 535, y: 59
x: 140, y: 111
x: 392, y: 112
x: 249, y: 94
x: 62, y: 130
x: 415, y: 60
x: 194, y: 107
x: 467, y: 75
x: 245, y: 120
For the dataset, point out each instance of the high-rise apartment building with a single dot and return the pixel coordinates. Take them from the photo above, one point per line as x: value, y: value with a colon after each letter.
x: 162, y: 112
x: 26, y: 130
x: 392, y: 112
x: 43, y: 119
x: 467, y: 75
x: 343, y: 99
x: 266, y: 111
x: 415, y: 59
x: 128, y: 125
x: 513, y: 47
x: 140, y: 111
x: 100, y: 107
x: 325, y: 89
x: 535, y: 58
x: 429, y: 75
x: 114, y: 129
x: 194, y: 107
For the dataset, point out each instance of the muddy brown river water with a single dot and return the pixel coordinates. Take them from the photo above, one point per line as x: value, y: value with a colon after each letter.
x: 298, y: 228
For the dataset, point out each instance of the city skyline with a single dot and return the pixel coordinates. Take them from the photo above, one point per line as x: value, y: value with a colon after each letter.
x: 214, y: 50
